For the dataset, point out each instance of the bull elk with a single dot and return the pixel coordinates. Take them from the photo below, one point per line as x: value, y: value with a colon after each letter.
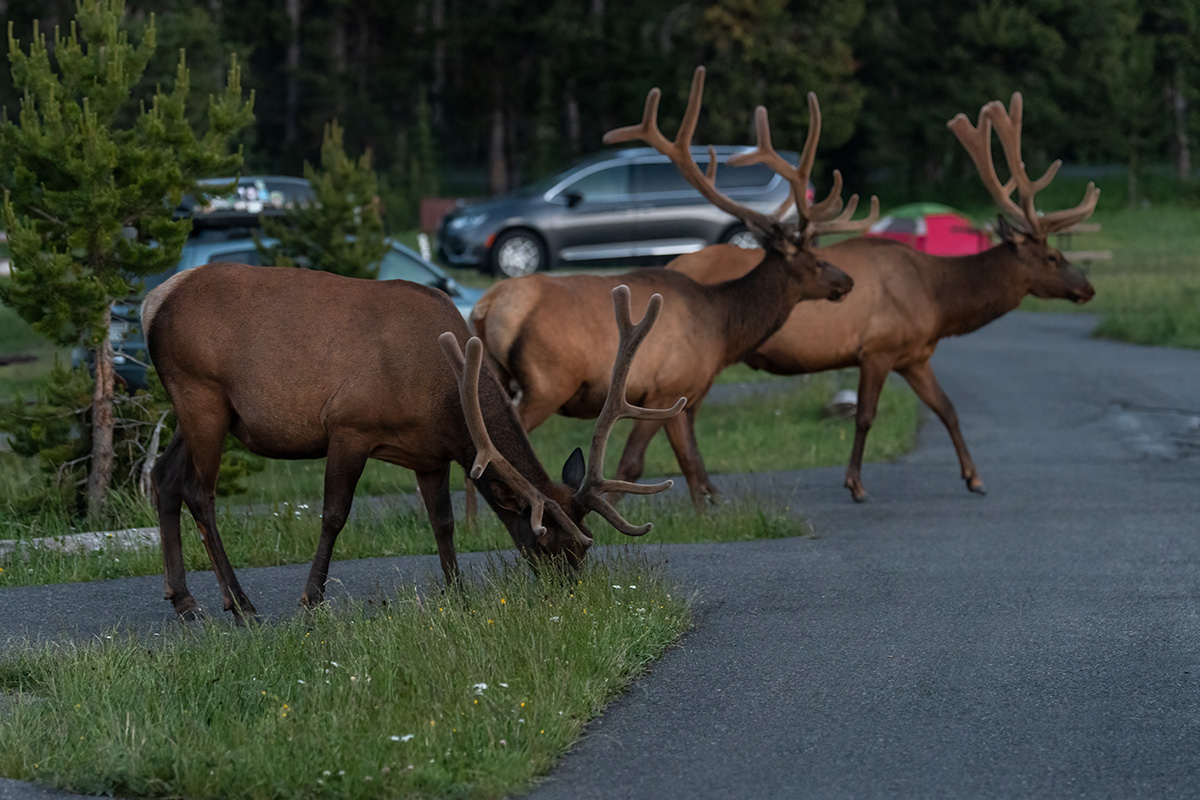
x: 547, y: 334
x: 302, y: 364
x: 905, y: 301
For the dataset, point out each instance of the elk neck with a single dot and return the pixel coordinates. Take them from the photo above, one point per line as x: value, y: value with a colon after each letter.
x: 505, y: 430
x: 973, y: 290
x: 751, y: 308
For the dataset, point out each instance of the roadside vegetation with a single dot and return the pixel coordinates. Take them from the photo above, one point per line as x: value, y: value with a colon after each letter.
x: 1149, y: 293
x: 468, y: 694
x: 286, y: 533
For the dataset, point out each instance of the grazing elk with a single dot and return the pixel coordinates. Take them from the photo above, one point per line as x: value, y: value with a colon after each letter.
x: 904, y: 301
x: 303, y: 364
x: 547, y: 334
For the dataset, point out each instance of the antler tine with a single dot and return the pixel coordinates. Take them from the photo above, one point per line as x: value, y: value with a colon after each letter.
x: 679, y: 151
x: 1061, y: 220
x: 977, y: 141
x: 843, y: 222
x: 646, y: 130
x: 467, y: 372
x: 616, y: 407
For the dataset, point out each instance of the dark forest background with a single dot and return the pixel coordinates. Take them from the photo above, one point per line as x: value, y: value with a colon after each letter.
x: 469, y: 98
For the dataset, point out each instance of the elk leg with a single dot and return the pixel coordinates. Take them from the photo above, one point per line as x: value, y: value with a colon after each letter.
x: 435, y: 491
x: 343, y: 467
x: 471, y: 510
x: 681, y: 432
x: 633, y: 457
x: 871, y: 376
x: 200, y: 493
x: 923, y: 382
x: 167, y: 481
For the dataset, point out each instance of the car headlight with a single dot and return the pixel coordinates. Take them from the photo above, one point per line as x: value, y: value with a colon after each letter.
x: 465, y: 221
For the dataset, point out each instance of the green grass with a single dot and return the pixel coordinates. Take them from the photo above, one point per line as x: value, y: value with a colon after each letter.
x: 1149, y: 293
x: 18, y: 339
x: 288, y: 535
x: 360, y: 702
x: 766, y: 432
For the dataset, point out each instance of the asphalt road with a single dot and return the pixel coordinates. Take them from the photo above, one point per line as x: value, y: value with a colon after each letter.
x: 1043, y: 641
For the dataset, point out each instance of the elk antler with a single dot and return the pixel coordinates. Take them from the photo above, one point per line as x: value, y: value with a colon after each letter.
x: 467, y: 372
x: 823, y: 217
x: 679, y: 151
x: 977, y: 141
x: 616, y: 407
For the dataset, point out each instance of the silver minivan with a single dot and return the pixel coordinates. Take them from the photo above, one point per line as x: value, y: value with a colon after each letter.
x: 619, y: 207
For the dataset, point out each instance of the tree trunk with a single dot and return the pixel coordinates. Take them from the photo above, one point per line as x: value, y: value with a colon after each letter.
x: 100, y: 473
x: 1132, y: 185
x: 438, y: 90
x: 497, y: 163
x: 337, y: 48
x: 574, y: 124
x: 1179, y: 108
x: 291, y: 110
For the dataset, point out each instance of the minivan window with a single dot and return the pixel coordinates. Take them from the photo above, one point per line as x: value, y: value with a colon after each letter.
x: 602, y: 184
x: 656, y: 178
x: 755, y: 175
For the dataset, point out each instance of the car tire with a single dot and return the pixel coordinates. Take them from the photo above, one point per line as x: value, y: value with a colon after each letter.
x: 740, y: 236
x: 518, y: 252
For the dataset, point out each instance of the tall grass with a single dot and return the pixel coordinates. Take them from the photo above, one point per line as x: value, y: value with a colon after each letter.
x: 468, y: 695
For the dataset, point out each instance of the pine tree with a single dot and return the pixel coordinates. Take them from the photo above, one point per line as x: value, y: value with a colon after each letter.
x: 342, y: 230
x: 89, y: 190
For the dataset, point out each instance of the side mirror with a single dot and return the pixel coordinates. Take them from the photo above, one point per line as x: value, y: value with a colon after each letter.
x: 573, y: 199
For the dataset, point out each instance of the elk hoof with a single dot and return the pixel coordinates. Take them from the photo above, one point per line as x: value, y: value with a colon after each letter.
x: 976, y: 485
x: 187, y: 609
x: 857, y: 491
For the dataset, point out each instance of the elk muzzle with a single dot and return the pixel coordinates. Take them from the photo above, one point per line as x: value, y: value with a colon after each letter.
x: 840, y: 283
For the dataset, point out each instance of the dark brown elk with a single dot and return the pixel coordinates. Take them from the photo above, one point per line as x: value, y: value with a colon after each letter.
x: 905, y: 301
x: 303, y: 364
x: 548, y: 336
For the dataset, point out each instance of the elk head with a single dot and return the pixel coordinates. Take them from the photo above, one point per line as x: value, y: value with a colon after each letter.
x: 811, y: 277
x: 549, y: 521
x: 1045, y: 271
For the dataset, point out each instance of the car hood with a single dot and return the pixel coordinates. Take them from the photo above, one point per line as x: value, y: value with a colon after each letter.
x: 466, y: 300
x: 495, y: 208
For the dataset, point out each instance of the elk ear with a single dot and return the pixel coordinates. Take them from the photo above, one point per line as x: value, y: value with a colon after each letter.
x: 574, y: 470
x: 779, y: 239
x: 1007, y: 232
x: 506, y: 498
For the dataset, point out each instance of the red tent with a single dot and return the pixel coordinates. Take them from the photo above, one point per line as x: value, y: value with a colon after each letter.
x: 932, y: 228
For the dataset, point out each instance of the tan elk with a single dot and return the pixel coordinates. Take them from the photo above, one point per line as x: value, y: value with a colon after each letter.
x: 304, y: 364
x: 548, y: 336
x: 904, y: 301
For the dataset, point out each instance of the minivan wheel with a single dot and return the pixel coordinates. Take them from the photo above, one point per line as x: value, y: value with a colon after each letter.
x: 518, y: 253
x: 739, y: 236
